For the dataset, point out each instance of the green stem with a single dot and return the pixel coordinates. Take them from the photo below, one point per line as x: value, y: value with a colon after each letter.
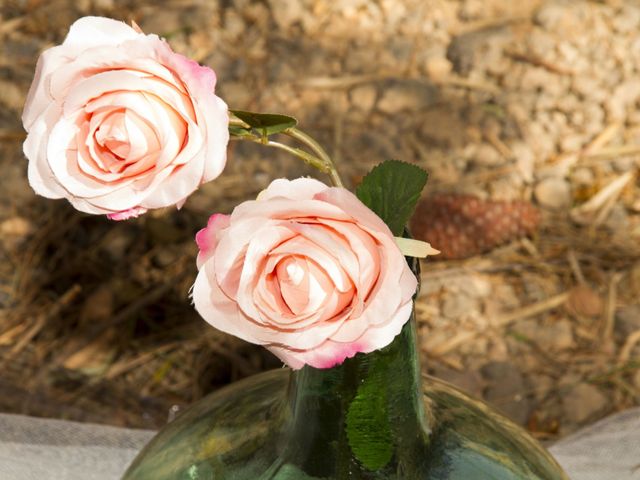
x: 318, y: 150
x: 301, y: 154
x: 320, y: 159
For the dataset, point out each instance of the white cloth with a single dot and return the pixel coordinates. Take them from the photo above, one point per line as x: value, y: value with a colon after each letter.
x: 606, y: 450
x: 44, y: 449
x: 37, y: 449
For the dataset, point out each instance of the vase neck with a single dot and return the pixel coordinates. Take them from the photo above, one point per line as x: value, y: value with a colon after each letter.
x: 375, y: 397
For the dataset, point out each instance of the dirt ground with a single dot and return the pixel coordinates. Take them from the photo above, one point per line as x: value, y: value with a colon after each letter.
x: 534, y: 101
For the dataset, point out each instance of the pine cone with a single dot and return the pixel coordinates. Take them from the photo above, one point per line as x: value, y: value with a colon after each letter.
x: 461, y: 226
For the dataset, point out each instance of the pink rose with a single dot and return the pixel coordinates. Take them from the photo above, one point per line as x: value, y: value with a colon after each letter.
x: 307, y: 271
x: 118, y: 123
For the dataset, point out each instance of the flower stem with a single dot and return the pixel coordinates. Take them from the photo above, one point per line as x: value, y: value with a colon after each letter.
x: 318, y: 150
x: 319, y: 159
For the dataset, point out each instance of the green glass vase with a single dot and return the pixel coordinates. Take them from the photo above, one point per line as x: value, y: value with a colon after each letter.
x: 373, y: 417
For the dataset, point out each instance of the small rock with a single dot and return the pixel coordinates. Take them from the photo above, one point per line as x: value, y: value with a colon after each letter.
x: 118, y: 241
x: 624, y: 164
x: 472, y: 9
x: 364, y: 97
x: 583, y: 402
x: 582, y: 176
x: 625, y: 95
x: 627, y: 320
x: 525, y: 160
x: 537, y: 78
x: 16, y: 227
x: 557, y: 16
x: 288, y: 12
x: 618, y: 219
x: 438, y: 68
x: 455, y: 306
x: 584, y: 85
x: 572, y: 143
x: 401, y: 95
x: 506, y: 390
x: 628, y: 20
x: 165, y: 257
x: 98, y: 307
x: 236, y: 93
x: 11, y: 95
x: 473, y: 285
x: 463, y: 49
x: 553, y: 193
x: 541, y: 385
x: 585, y: 301
x: 487, y: 156
x: 468, y: 380
x: 556, y: 336
x: 163, y: 21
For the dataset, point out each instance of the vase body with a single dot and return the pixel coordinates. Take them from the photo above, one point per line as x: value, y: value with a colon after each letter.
x: 373, y: 417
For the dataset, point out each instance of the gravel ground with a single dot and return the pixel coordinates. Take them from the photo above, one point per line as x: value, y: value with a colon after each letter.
x: 536, y: 101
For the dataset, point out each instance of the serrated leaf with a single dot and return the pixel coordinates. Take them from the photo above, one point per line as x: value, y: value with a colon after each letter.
x: 266, y: 123
x: 392, y: 190
x: 367, y: 423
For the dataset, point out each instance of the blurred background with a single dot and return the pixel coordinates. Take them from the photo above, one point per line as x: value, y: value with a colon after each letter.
x: 525, y: 114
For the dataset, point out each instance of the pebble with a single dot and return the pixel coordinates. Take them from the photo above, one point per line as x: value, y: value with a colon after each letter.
x: 525, y: 160
x: 406, y: 95
x: 583, y: 402
x: 540, y: 385
x: 468, y: 380
x: 364, y: 97
x: 617, y: 220
x: 457, y: 305
x: 555, y: 336
x: 99, y: 305
x: 627, y: 320
x: 487, y: 156
x: 572, y: 143
x: 438, y: 68
x: 538, y: 78
x: 628, y: 20
x: 582, y: 176
x: 624, y: 96
x: 556, y: 16
x: 16, y: 227
x: 553, y: 193
x: 505, y: 390
x: 584, y: 301
x: 473, y: 285
x: 288, y: 12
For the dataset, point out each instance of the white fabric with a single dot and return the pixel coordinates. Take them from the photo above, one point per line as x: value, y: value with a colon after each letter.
x: 37, y: 449
x: 606, y: 450
x: 43, y: 449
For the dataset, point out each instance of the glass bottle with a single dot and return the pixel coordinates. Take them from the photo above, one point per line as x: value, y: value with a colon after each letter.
x: 372, y: 417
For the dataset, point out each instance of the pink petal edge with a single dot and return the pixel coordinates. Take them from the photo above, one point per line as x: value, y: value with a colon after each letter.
x: 126, y: 214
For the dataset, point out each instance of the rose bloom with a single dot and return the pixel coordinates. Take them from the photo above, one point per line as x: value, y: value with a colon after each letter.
x: 307, y: 271
x: 118, y: 123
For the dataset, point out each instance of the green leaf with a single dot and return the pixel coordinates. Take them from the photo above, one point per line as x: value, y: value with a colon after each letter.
x: 367, y: 422
x: 239, y: 131
x: 392, y: 190
x: 266, y: 123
